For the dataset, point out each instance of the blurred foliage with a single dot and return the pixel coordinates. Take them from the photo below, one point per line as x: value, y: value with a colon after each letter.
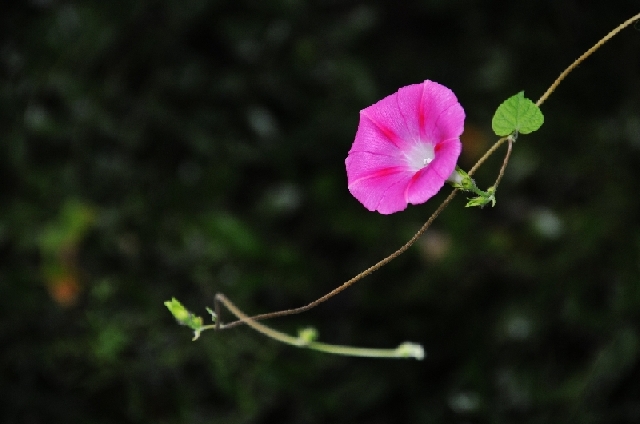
x: 159, y: 148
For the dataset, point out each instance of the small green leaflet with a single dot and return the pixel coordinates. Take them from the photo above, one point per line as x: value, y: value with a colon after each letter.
x: 182, y: 315
x: 517, y: 113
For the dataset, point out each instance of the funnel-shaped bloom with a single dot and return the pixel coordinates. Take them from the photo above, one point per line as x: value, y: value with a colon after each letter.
x: 405, y: 148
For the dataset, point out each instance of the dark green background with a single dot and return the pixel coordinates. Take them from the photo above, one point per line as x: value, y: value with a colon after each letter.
x: 152, y: 149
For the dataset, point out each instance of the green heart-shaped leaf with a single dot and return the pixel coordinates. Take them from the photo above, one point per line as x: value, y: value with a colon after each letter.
x: 517, y: 113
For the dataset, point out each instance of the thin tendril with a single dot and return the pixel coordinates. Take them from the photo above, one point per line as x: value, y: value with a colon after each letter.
x: 405, y: 350
x: 276, y: 335
x: 585, y: 55
x: 445, y: 202
x: 504, y: 163
x: 557, y: 82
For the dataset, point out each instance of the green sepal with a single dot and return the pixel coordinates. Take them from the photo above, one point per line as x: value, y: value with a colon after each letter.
x: 483, y: 199
x: 461, y: 180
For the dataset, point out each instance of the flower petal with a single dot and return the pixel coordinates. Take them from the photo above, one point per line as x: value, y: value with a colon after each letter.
x: 441, y: 116
x: 373, y: 138
x: 383, y: 191
x: 379, y: 182
x: 383, y: 128
x: 429, y: 180
x: 366, y: 164
x: 423, y: 185
x: 447, y: 153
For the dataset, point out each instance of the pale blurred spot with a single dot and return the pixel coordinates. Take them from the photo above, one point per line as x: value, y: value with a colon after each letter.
x: 435, y: 245
x: 521, y: 165
x: 282, y: 199
x: 67, y: 20
x: 464, y: 402
x: 64, y: 290
x: 36, y: 117
x: 518, y: 327
x: 546, y: 223
x: 262, y: 122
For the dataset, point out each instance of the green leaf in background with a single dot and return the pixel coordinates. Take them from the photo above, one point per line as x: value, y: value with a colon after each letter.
x: 517, y: 113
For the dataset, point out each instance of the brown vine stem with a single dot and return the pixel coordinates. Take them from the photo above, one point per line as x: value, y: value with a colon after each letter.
x: 488, y: 153
x: 263, y: 329
x: 504, y: 163
x: 358, y: 277
x: 585, y: 55
x: 444, y: 203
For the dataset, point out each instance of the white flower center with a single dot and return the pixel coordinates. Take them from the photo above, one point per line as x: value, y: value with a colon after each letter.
x: 420, y: 156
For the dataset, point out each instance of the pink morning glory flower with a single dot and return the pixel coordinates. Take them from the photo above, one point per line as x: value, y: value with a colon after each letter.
x: 406, y: 147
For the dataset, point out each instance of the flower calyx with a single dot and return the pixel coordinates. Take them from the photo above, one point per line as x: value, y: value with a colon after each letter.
x: 461, y: 180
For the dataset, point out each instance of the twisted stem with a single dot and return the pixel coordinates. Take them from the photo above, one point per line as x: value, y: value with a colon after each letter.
x: 405, y: 350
